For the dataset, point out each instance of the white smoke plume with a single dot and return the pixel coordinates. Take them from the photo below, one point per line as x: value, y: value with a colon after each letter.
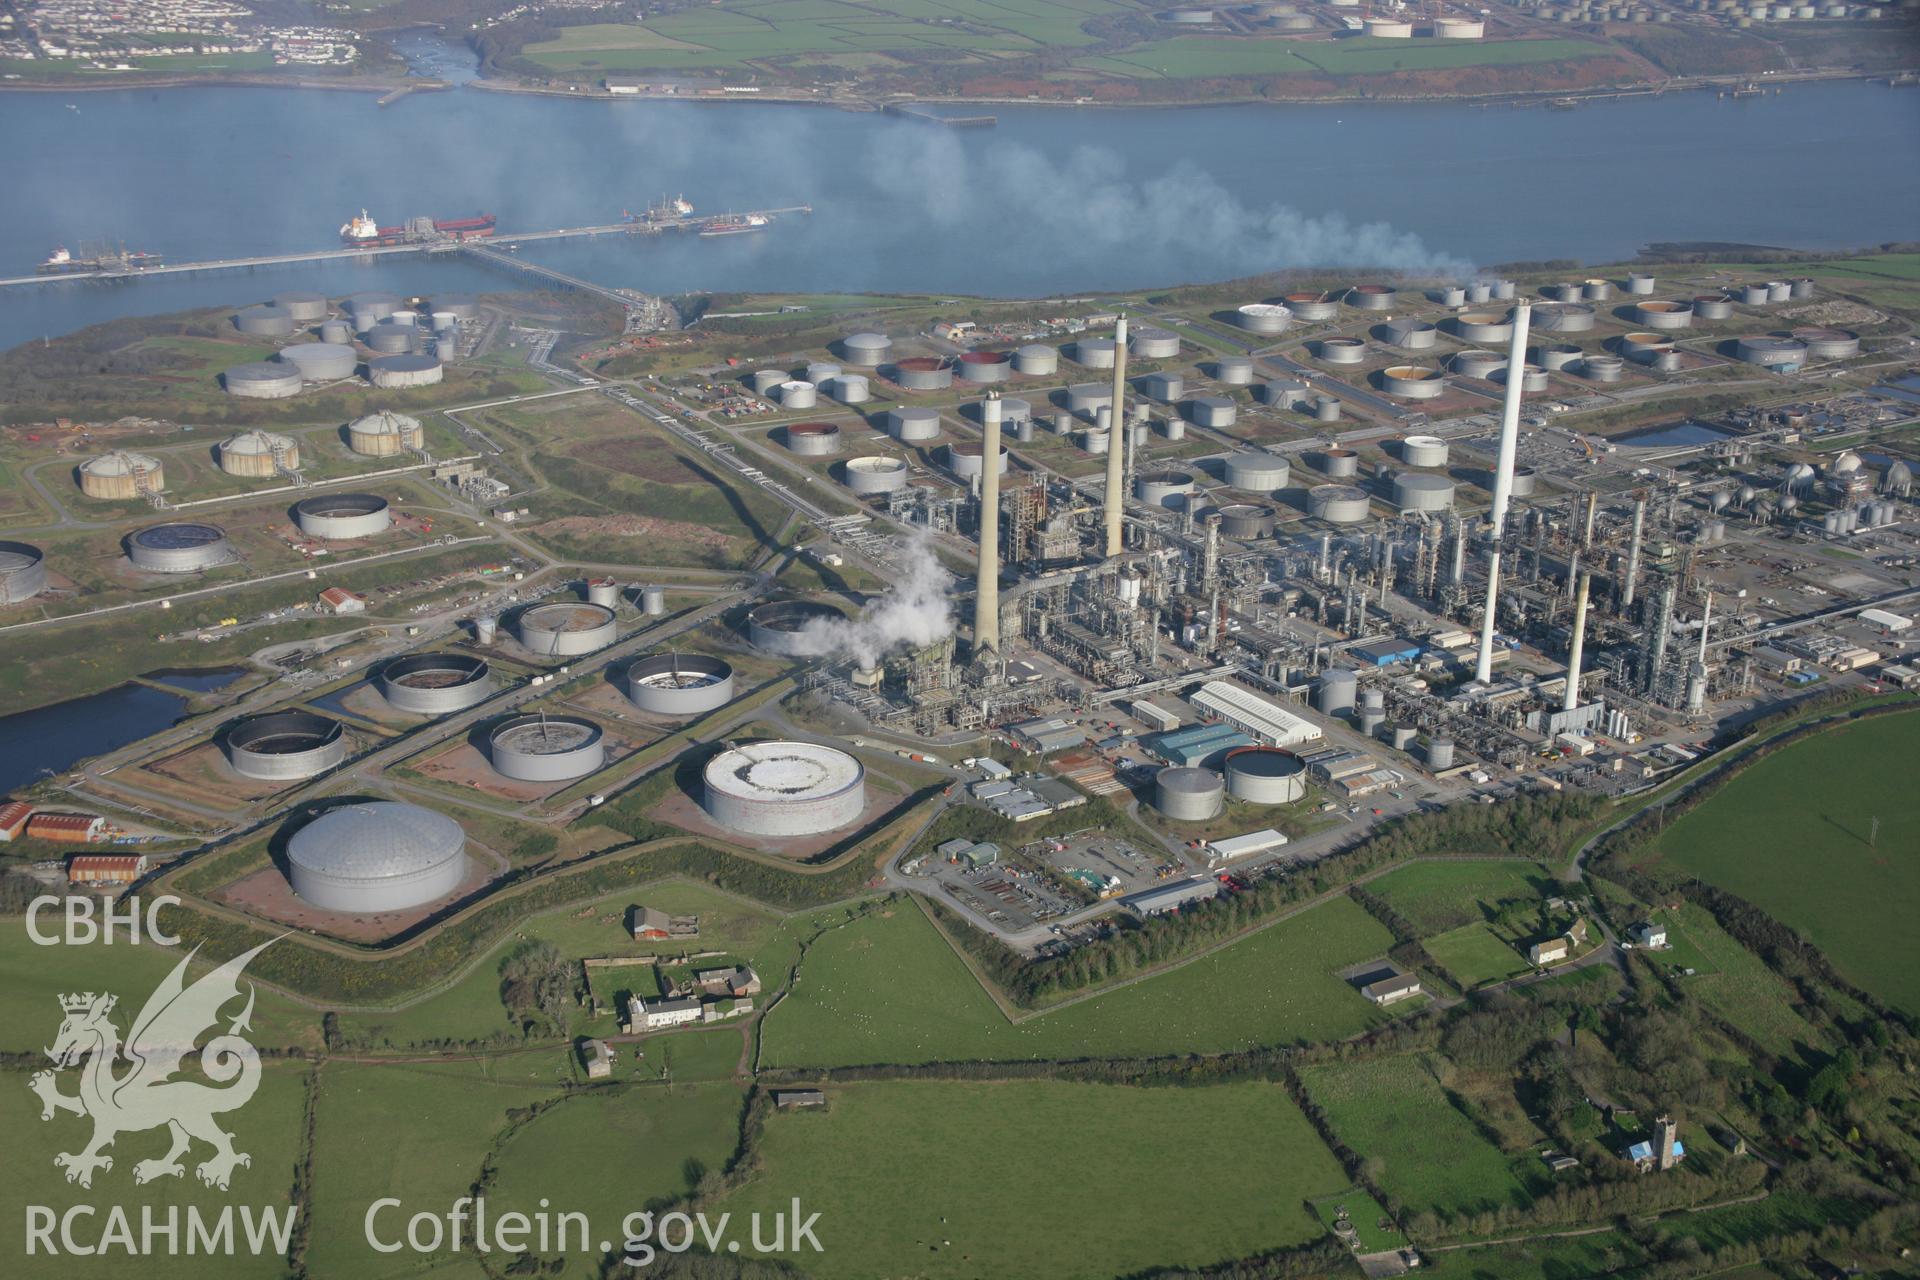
x: 915, y: 613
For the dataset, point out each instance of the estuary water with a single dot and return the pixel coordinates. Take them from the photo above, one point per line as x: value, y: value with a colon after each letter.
x: 48, y: 739
x: 1053, y: 200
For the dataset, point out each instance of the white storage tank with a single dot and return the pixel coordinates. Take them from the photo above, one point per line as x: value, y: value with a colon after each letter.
x: 375, y: 857
x: 1265, y: 775
x: 1186, y: 794
x: 784, y: 788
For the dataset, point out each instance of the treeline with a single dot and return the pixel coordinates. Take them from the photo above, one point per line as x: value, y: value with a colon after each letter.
x: 1520, y: 827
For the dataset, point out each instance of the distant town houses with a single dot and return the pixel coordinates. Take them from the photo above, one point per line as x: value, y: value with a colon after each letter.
x: 122, y: 35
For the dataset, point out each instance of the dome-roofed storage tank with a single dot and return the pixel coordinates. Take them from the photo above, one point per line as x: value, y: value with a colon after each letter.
x: 321, y: 361
x: 1212, y: 411
x: 821, y: 373
x: 913, y: 422
x: 435, y: 684
x: 791, y: 628
x: 390, y: 337
x: 1233, y: 371
x: 122, y: 475
x: 259, y: 453
x: 23, y: 572
x: 1338, y: 503
x: 264, y: 380
x: 1094, y: 353
x: 874, y: 474
x: 377, y: 856
x: 1771, y: 352
x: 680, y: 684
x: 264, y: 322
x: 1245, y: 521
x: 1150, y: 343
x: 404, y: 371
x: 383, y: 433
x: 1439, y: 754
x: 852, y: 388
x: 565, y: 628
x: 1087, y: 398
x: 785, y: 788
x: 1257, y: 472
x: 1265, y: 775
x: 1187, y: 794
x: 1828, y: 344
x: 1264, y: 318
x: 1164, y: 387
x: 798, y: 394
x: 302, y: 305
x: 343, y: 517
x: 179, y: 547
x: 766, y: 381
x: 1419, y: 491
x: 812, y: 439
x: 1036, y: 359
x: 285, y: 746
x: 1337, y: 691
x: 868, y: 350
x: 370, y: 308
x: 541, y: 748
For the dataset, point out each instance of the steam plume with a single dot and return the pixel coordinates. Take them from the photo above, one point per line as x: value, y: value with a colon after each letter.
x: 915, y: 613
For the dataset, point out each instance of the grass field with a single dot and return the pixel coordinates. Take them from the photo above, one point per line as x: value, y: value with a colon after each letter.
x: 1475, y: 954
x: 1439, y: 896
x: 1741, y: 989
x: 890, y: 989
x: 913, y: 1178
x: 1793, y: 835
x: 1187, y: 57
x: 1393, y: 1110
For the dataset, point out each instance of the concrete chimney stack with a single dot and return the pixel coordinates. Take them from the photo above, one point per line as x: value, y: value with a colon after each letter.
x: 1572, y: 698
x: 1632, y: 574
x: 1510, y: 416
x: 1116, y: 456
x: 986, y: 599
x: 1483, y: 670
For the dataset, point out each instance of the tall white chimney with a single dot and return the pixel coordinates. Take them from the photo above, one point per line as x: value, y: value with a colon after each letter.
x: 1116, y: 456
x: 986, y: 599
x: 1572, y: 698
x: 1483, y: 672
x: 1510, y: 416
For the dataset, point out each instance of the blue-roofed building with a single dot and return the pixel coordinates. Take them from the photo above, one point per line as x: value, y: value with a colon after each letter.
x: 1197, y: 744
x: 1384, y: 653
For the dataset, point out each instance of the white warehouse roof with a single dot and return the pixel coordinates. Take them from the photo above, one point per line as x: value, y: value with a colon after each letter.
x: 1254, y: 715
x: 1887, y: 621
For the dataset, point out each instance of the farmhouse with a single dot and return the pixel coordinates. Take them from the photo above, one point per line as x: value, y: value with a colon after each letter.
x: 1548, y: 952
x: 1649, y: 935
x: 642, y: 1016
x: 739, y: 980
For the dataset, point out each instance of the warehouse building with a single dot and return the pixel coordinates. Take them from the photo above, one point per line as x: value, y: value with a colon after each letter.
x: 1047, y: 736
x: 67, y: 828
x: 1175, y: 895
x: 1392, y: 990
x: 1197, y: 744
x: 1264, y: 720
x: 1384, y: 653
x: 106, y: 868
x: 13, y: 819
x: 1246, y: 846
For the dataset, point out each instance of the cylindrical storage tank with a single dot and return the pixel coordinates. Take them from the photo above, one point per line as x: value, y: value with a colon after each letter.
x: 265, y: 380
x: 1342, y: 350
x: 1411, y: 335
x: 680, y: 684
x: 1283, y: 394
x: 1477, y: 364
x: 336, y: 332
x: 1596, y: 290
x: 923, y: 373
x: 1310, y: 308
x: 1374, y: 297
x: 1563, y: 317
x: 766, y: 381
x: 1174, y: 428
x: 1532, y: 378
x: 1023, y: 430
x: 1338, y: 503
x: 1562, y: 292
x: 985, y: 366
x: 285, y: 746
x: 1418, y: 491
x: 1036, y: 359
x: 1525, y: 480
x: 1482, y: 326
x: 1265, y: 775
x: 1667, y: 361
x: 1164, y: 387
x: 390, y: 338
x: 1663, y: 315
x: 1096, y: 440
x: 1458, y: 29
x: 1339, y: 463
x: 1373, y: 700
x: 1336, y: 692
x: 1452, y: 295
x: 121, y: 475
x: 543, y: 748
x: 798, y: 395
x: 1212, y: 411
x: 565, y: 629
x: 369, y: 308
x: 604, y: 592
x: 1189, y: 794
x: 1155, y: 344
x: 812, y: 439
x: 1771, y: 352
x: 821, y: 372
x: 258, y: 453
x: 1244, y: 521
x: 1088, y: 398
x: 784, y: 788
x: 1424, y: 451
x: 1094, y: 353
x: 1370, y: 721
x: 1800, y: 287
x: 384, y: 433
x: 435, y: 684
x: 852, y: 388
x: 866, y: 476
x: 868, y: 350
x: 1257, y: 472
x: 23, y: 572
x: 1713, y: 306
x: 1639, y: 284
x: 1326, y: 409
x: 321, y: 361
x: 1265, y: 318
x: 1754, y: 295
x: 1412, y: 382
x: 444, y: 321
x: 382, y: 856
x: 653, y: 601
x: 1439, y: 754
x: 1012, y: 409
x: 464, y: 306
x: 1165, y: 488
x: 486, y: 630
x: 967, y: 459
x: 264, y: 322
x: 1400, y: 736
x: 1778, y: 291
x: 179, y: 547
x: 1557, y: 355
x: 792, y: 628
x: 1828, y: 344
x: 404, y: 371
x: 913, y: 422
x: 1478, y: 291
x: 1603, y: 368
x: 1387, y: 28
x: 1233, y: 371
x: 303, y: 306
x: 342, y: 517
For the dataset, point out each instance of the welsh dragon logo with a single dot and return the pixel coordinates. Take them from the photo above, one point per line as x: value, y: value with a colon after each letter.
x: 144, y: 1095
